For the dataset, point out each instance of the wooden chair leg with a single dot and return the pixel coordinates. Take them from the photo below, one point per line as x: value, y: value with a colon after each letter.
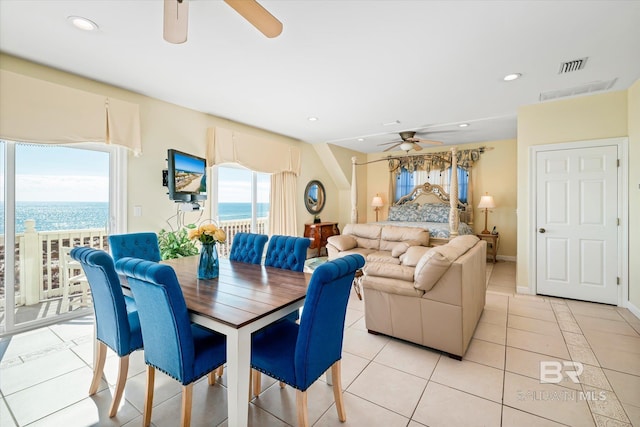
x: 99, y: 356
x: 282, y: 385
x: 256, y: 381
x: 148, y: 398
x: 121, y: 381
x: 302, y: 407
x: 220, y: 371
x: 212, y: 377
x: 187, y: 399
x: 337, y: 391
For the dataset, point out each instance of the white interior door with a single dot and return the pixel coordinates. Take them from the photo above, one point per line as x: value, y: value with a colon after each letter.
x: 577, y: 220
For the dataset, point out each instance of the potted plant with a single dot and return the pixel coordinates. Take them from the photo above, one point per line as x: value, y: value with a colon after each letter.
x: 176, y: 244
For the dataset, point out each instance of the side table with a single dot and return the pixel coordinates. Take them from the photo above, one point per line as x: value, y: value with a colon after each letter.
x: 492, y: 247
x: 319, y: 232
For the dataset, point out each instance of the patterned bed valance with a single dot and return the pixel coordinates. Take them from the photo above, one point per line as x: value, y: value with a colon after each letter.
x: 435, y: 161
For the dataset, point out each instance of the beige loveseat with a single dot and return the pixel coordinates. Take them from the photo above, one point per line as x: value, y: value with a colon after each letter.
x: 433, y: 297
x: 376, y: 243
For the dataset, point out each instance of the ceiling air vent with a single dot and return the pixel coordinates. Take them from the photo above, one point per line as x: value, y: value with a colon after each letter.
x: 578, y: 90
x: 575, y: 65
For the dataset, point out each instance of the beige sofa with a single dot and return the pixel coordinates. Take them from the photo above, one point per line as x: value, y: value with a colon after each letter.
x: 433, y: 297
x: 376, y: 243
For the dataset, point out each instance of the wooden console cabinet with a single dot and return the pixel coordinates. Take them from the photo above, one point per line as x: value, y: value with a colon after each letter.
x: 319, y: 233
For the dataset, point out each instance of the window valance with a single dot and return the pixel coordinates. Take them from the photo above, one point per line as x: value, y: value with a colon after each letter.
x: 34, y: 110
x: 253, y: 152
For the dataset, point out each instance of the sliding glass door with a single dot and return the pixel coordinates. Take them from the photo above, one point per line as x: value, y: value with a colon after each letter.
x: 54, y: 198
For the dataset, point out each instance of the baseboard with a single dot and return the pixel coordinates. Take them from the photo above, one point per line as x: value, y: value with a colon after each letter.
x: 506, y: 258
x: 524, y: 290
x: 633, y: 309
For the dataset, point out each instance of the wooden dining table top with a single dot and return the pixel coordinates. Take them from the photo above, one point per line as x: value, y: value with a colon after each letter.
x: 242, y: 293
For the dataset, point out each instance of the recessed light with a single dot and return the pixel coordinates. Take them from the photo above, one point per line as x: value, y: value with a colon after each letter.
x: 312, y: 119
x: 463, y: 125
x: 82, y: 23
x: 511, y: 77
x: 360, y: 139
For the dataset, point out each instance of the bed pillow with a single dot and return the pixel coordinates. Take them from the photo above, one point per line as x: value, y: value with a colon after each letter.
x: 434, y: 212
x: 404, y: 213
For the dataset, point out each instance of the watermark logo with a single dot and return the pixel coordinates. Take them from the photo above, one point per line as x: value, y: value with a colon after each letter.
x: 552, y: 371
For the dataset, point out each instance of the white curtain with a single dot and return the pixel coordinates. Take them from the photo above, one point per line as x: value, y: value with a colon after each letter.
x: 282, y: 204
x: 34, y: 110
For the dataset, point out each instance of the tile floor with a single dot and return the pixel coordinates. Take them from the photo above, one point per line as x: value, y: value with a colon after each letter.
x: 45, y: 374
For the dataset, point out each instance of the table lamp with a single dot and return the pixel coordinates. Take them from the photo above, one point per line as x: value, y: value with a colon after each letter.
x: 486, y: 203
x: 377, y: 203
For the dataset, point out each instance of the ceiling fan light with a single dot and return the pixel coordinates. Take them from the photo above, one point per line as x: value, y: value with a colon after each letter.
x: 406, y: 146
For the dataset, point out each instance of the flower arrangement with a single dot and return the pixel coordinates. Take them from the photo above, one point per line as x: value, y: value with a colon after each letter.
x: 208, y: 233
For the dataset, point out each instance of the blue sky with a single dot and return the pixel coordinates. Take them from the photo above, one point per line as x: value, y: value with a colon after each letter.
x: 234, y: 185
x: 188, y: 163
x: 54, y: 173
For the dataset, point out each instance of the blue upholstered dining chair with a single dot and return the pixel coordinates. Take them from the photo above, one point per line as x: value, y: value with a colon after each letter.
x: 116, y: 317
x: 248, y: 247
x: 173, y: 344
x: 299, y: 354
x: 287, y: 252
x: 135, y: 245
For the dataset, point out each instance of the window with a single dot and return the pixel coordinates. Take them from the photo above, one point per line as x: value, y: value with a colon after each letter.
x: 406, y: 181
x: 240, y: 201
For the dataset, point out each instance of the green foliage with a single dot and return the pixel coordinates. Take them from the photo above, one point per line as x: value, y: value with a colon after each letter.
x: 176, y: 244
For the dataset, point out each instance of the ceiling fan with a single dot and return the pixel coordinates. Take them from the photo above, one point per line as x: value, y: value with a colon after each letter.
x: 176, y: 17
x: 409, y: 142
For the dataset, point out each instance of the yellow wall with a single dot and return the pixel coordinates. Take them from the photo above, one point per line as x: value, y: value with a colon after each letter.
x: 633, y: 98
x: 494, y: 173
x: 578, y: 119
x: 164, y: 126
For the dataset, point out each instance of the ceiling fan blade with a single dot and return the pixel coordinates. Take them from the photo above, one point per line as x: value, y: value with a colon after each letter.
x: 392, y: 147
x: 392, y: 142
x: 428, y: 141
x: 417, y: 147
x: 257, y: 16
x: 176, y: 18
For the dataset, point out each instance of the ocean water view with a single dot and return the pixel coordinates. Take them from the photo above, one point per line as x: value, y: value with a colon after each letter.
x: 51, y: 216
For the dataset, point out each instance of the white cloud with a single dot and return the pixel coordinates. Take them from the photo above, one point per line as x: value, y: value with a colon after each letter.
x: 68, y: 188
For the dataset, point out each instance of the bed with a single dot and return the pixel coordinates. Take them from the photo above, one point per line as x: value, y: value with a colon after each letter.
x: 428, y: 206
x: 453, y: 217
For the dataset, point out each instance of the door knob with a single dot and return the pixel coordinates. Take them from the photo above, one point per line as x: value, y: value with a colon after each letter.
x: 542, y: 230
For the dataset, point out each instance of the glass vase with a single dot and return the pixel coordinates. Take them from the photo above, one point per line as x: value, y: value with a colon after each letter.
x: 209, y: 266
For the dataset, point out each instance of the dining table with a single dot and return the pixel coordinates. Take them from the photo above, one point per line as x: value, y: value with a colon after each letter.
x: 241, y: 300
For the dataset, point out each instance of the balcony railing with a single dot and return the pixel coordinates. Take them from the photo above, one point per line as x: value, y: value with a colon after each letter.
x: 38, y: 263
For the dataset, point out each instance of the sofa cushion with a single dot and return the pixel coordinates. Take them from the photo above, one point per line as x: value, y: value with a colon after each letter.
x: 466, y: 241
x: 366, y: 235
x: 382, y: 256
x: 430, y: 269
x: 413, y: 255
x: 399, y: 249
x: 343, y: 242
x: 360, y: 251
x: 391, y: 286
x: 390, y: 235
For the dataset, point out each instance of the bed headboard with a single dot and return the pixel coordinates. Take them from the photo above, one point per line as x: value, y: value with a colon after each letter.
x: 432, y: 193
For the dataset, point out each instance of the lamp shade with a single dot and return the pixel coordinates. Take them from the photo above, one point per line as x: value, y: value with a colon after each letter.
x: 486, y: 202
x: 377, y: 202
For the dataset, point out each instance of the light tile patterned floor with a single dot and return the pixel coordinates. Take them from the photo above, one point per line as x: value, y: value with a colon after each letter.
x: 45, y: 374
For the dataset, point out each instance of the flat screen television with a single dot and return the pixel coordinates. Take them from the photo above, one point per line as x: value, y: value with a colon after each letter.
x: 187, y: 177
